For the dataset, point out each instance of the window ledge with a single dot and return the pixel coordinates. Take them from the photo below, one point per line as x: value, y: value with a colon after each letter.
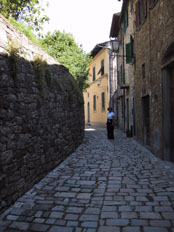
x: 124, y: 86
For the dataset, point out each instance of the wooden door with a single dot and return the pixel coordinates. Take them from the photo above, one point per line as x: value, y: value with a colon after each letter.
x: 146, y: 120
x: 171, y: 72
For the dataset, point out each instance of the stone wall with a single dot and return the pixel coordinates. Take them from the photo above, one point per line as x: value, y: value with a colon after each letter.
x: 41, y: 114
x: 151, y: 41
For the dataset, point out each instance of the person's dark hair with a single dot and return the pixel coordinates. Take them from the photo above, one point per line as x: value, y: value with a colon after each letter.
x: 109, y: 108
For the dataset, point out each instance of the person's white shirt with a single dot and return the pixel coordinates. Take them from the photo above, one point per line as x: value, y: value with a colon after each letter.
x: 110, y: 115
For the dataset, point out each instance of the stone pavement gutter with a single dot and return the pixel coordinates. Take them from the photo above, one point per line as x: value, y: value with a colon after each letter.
x: 105, y: 185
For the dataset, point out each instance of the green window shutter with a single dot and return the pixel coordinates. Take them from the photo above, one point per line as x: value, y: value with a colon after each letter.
x: 132, y: 7
x: 132, y: 46
x: 127, y: 19
x: 128, y: 53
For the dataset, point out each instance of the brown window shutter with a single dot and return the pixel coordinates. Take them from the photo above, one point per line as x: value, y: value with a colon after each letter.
x: 145, y: 8
x: 141, y: 12
x: 137, y: 14
x: 151, y: 3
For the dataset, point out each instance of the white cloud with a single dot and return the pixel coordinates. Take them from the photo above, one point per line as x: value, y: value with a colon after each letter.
x: 89, y: 21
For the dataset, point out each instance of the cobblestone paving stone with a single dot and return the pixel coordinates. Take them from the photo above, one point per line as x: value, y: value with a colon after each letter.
x: 104, y: 186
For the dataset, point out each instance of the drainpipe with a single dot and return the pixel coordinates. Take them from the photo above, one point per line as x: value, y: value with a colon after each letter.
x: 109, y: 78
x: 124, y: 97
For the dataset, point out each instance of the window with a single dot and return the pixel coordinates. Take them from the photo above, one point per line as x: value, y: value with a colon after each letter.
x: 152, y: 3
x: 118, y: 77
x: 94, y: 102
x: 122, y: 75
x: 143, y: 71
x: 125, y: 22
x: 103, y: 100
x: 102, y: 67
x: 102, y: 71
x: 93, y: 73
x: 129, y: 50
x: 132, y: 7
x: 141, y: 12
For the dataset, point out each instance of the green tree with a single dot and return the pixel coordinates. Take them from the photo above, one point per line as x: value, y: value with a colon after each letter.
x: 62, y: 46
x: 29, y: 11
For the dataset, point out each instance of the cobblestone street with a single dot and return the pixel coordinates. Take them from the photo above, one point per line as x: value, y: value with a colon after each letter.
x: 104, y: 186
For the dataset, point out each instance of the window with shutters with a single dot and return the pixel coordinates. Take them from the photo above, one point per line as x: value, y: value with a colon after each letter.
x: 143, y: 71
x: 103, y: 101
x: 102, y: 67
x: 118, y: 77
x: 125, y: 22
x: 129, y: 51
x: 93, y: 74
x: 101, y: 71
x: 152, y: 3
x: 122, y: 75
x: 94, y: 102
x: 141, y: 12
x: 132, y: 6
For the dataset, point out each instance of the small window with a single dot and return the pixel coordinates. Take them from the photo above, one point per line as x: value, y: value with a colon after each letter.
x: 143, y: 71
x: 132, y: 7
x: 93, y: 74
x: 125, y: 22
x: 101, y: 71
x: 152, y: 3
x: 118, y: 77
x: 122, y: 75
x: 94, y: 102
x: 141, y: 12
x: 103, y: 100
x: 129, y: 50
x: 102, y: 67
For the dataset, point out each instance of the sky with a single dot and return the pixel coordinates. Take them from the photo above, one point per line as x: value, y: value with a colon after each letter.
x: 89, y: 21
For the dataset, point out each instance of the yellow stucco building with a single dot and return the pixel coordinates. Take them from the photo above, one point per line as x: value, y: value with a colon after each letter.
x: 96, y: 96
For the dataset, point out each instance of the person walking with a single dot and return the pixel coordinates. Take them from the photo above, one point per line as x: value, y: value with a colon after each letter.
x: 110, y: 123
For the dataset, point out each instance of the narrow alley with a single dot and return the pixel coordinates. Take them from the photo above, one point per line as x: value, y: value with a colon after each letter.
x: 104, y: 186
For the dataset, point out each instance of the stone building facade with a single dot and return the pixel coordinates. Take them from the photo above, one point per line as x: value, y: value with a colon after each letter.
x: 41, y: 114
x: 147, y: 79
x: 154, y: 75
x: 124, y: 32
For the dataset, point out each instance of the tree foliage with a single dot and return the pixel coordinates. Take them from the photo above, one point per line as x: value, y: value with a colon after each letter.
x: 29, y: 11
x: 63, y: 47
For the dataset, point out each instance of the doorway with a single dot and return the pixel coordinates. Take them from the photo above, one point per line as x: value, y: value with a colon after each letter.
x: 171, y: 75
x: 168, y: 113
x: 146, y: 120
x: 127, y: 114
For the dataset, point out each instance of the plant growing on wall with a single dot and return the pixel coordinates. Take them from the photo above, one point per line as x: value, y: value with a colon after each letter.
x: 25, y: 29
x: 42, y: 74
x: 14, y: 59
x: 39, y: 67
x: 74, y: 89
